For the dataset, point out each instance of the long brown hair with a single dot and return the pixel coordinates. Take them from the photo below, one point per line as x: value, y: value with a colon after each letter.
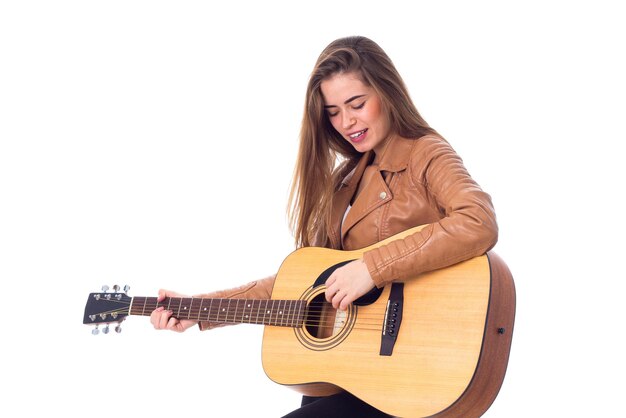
x: 317, y: 173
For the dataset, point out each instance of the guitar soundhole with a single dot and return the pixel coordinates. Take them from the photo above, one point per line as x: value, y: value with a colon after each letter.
x: 322, y: 320
x: 324, y: 326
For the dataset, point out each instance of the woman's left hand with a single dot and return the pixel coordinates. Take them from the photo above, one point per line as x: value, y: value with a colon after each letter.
x: 348, y: 283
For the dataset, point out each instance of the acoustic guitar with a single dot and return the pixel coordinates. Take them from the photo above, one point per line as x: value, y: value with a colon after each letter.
x: 436, y: 345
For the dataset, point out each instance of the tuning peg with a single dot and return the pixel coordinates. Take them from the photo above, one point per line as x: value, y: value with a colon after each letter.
x: 126, y: 288
x: 116, y: 288
x: 105, y: 330
x: 105, y: 288
x: 118, y: 328
x: 95, y: 331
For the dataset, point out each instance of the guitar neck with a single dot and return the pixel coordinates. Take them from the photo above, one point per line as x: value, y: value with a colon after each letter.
x: 287, y: 313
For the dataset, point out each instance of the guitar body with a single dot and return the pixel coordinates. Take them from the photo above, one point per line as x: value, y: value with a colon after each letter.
x: 450, y: 354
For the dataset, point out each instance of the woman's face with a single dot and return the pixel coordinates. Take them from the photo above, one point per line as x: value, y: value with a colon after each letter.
x: 355, y: 111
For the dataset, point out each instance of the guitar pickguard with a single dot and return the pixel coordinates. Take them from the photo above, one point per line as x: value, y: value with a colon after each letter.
x: 367, y: 299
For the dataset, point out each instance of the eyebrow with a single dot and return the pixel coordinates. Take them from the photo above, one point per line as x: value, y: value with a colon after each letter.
x: 347, y: 101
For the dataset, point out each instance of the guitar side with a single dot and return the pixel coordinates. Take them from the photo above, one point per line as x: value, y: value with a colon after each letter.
x: 494, y: 356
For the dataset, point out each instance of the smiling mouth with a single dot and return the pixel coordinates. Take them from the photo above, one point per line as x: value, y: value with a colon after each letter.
x: 357, y: 135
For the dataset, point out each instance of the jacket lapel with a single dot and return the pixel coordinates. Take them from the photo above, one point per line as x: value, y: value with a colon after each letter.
x: 376, y: 192
x: 342, y: 199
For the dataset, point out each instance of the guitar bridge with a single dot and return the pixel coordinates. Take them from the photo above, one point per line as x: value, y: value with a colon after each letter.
x: 393, y: 319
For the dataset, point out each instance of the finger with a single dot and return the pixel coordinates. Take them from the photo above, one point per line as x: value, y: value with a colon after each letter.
x: 173, y: 324
x: 337, y: 298
x: 155, y: 317
x: 329, y: 295
x: 162, y: 295
x: 331, y: 288
x: 345, y: 302
x: 331, y: 292
x: 164, y: 320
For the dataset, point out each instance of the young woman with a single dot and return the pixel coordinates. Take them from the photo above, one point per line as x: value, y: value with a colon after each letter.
x: 370, y: 167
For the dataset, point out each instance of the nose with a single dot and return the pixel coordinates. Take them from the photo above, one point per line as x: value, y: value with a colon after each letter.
x: 347, y: 120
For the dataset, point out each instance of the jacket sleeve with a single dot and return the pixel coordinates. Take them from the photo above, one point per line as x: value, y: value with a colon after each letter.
x: 467, y: 228
x: 259, y: 289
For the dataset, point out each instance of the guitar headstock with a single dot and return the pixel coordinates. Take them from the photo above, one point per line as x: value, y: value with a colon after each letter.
x: 106, y: 308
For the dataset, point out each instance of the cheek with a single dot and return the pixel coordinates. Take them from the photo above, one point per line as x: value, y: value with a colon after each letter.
x: 375, y: 112
x: 379, y: 118
x: 334, y: 122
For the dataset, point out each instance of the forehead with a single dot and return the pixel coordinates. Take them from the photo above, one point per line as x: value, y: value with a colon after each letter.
x: 340, y: 87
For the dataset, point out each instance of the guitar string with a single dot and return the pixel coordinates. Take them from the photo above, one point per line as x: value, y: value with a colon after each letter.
x: 310, y: 320
x: 287, y: 323
x: 273, y: 319
x: 194, y: 312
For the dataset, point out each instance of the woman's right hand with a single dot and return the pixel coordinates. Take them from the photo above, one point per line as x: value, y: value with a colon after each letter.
x: 161, y: 318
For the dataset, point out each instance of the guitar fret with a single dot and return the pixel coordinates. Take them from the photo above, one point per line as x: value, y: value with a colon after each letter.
x: 244, y: 304
x: 278, y: 314
x: 219, y: 311
x: 190, y: 308
x: 290, y: 317
x: 244, y: 317
x: 258, y: 309
x: 300, y: 314
x: 268, y: 312
x: 208, y: 314
x: 258, y: 312
x: 227, y: 311
x: 281, y: 312
x: 274, y: 313
x: 195, y: 301
x: 236, y: 303
x: 295, y: 314
x: 183, y: 309
x: 241, y: 306
x: 291, y: 314
x: 264, y: 312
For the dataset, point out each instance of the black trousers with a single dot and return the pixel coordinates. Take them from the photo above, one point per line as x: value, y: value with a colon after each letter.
x: 341, y: 405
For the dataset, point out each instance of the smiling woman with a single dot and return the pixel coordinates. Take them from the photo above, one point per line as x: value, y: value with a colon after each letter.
x: 369, y: 171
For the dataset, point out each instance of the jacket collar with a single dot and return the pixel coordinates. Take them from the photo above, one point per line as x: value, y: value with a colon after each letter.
x: 396, y: 156
x: 394, y: 159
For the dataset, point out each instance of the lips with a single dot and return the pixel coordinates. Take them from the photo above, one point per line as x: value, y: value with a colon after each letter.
x: 357, y: 136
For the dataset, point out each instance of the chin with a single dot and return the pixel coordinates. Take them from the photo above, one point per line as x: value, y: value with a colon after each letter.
x: 362, y: 147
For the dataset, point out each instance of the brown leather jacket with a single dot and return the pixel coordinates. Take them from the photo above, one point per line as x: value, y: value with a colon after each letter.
x: 416, y: 182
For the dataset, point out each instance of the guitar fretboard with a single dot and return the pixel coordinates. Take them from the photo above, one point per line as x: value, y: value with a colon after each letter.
x: 287, y: 313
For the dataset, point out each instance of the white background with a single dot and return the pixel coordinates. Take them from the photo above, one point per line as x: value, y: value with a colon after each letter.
x: 152, y: 144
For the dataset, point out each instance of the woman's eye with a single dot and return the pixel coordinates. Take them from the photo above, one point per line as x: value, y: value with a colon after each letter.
x: 332, y: 114
x: 360, y: 106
